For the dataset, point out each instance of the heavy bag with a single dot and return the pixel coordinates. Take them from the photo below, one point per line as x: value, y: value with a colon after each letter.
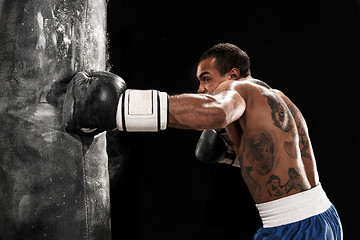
x: 53, y: 185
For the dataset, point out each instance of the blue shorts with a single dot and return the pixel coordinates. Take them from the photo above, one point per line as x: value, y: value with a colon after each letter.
x: 325, y: 225
x: 305, y: 215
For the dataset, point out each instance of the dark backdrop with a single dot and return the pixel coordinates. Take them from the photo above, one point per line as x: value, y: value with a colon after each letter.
x: 307, y: 49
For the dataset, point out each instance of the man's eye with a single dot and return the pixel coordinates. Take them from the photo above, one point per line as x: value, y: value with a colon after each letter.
x: 206, y: 79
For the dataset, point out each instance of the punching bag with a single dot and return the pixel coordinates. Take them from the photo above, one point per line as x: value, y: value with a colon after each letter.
x: 53, y: 185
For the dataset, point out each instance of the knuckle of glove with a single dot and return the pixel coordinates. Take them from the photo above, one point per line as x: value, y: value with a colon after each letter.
x: 90, y: 102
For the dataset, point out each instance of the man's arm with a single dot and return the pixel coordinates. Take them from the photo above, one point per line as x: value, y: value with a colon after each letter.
x: 204, y: 111
x: 86, y: 110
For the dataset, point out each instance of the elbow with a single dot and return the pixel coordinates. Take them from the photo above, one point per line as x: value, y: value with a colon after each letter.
x: 222, y: 115
x: 224, y: 110
x: 219, y: 118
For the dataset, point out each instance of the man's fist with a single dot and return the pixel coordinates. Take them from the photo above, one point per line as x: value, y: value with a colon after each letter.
x: 99, y: 101
x: 215, y: 147
x: 91, y: 102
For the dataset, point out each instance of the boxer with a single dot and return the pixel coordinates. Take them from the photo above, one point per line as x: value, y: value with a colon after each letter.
x: 264, y: 128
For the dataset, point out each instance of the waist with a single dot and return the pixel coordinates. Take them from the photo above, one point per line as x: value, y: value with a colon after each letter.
x: 294, y: 208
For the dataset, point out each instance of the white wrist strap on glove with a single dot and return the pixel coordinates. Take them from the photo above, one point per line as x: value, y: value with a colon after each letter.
x: 142, y: 111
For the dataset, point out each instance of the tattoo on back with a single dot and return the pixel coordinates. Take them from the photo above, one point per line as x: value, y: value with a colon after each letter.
x: 261, y: 152
x: 304, y: 142
x: 279, y: 112
x: 290, y: 147
x: 254, y: 188
x: 295, y: 182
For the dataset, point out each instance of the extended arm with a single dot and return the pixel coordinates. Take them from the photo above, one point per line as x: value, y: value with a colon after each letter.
x: 99, y: 101
x: 204, y: 111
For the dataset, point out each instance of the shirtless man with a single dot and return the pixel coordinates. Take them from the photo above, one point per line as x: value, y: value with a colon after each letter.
x: 267, y: 132
x: 271, y: 141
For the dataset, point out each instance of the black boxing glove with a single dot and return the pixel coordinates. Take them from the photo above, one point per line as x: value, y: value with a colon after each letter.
x: 214, y: 146
x: 99, y: 101
x: 91, y: 101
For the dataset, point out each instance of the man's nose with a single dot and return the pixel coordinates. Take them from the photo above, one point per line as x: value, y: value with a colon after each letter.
x: 201, y: 89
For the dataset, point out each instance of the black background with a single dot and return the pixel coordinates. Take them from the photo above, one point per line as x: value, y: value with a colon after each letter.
x: 307, y: 49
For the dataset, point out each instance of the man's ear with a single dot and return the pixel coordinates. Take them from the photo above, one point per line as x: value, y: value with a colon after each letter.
x: 234, y: 74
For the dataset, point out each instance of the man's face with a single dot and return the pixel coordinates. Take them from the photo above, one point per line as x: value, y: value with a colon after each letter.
x: 209, y: 76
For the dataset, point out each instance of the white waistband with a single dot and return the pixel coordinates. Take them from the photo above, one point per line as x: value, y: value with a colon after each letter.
x: 294, y: 208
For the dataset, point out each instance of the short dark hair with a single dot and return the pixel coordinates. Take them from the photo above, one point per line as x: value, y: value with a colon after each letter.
x: 228, y: 56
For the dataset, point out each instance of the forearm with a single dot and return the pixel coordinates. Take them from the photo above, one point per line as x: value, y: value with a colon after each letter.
x: 195, y: 111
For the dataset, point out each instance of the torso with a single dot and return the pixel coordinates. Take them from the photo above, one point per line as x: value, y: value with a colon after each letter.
x: 272, y: 144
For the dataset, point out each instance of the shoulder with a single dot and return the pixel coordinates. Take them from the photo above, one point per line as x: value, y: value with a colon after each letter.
x: 249, y: 89
x: 242, y: 85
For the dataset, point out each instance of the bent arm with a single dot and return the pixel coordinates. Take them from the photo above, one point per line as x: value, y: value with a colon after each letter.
x: 204, y: 111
